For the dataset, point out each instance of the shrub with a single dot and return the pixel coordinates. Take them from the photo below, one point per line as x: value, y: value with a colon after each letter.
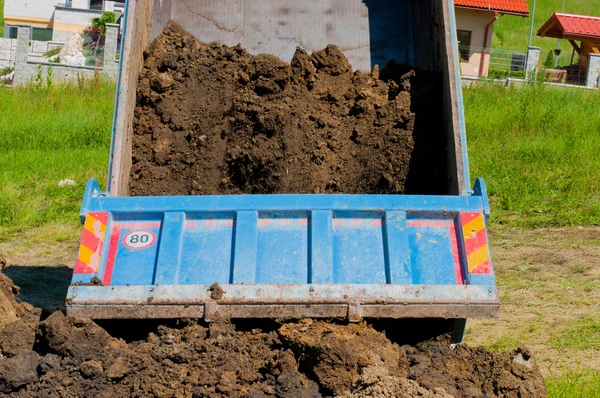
x: 53, y: 52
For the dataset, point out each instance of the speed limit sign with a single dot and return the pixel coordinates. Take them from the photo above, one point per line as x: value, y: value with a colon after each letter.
x: 139, y: 239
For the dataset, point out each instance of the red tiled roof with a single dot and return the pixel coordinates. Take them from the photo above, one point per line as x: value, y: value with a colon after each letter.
x: 568, y: 25
x: 510, y: 6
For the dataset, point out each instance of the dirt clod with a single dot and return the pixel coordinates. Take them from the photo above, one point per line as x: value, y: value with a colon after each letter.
x: 335, y: 354
x: 218, y: 120
x: 216, y: 291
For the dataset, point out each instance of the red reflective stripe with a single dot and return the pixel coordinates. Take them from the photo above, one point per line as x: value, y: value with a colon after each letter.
x: 484, y: 268
x: 263, y: 223
x: 475, y: 242
x: 466, y: 218
x: 100, y: 216
x: 137, y: 224
x: 457, y: 267
x: 112, y: 255
x: 90, y: 240
x: 433, y: 223
x: 83, y: 268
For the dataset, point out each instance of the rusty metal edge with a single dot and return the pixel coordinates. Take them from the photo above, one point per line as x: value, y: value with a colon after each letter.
x: 211, y: 311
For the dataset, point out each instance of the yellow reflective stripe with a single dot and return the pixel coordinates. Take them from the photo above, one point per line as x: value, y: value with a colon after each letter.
x: 475, y: 224
x: 478, y: 256
x: 85, y: 254
x: 89, y: 224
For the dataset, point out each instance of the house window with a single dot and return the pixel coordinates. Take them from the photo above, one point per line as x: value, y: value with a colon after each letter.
x: 41, y: 34
x: 464, y: 44
x: 12, y: 32
x: 96, y: 5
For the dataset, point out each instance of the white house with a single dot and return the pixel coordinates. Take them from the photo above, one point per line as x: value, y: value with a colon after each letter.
x: 52, y: 21
x: 475, y: 25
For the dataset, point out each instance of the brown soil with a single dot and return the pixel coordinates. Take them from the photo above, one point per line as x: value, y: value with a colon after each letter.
x: 63, y: 356
x: 213, y: 119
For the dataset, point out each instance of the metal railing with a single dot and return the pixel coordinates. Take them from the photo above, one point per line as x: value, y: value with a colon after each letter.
x: 503, y: 64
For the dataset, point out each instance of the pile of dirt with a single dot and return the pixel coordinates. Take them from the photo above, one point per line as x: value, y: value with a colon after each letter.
x: 213, y: 119
x: 18, y: 320
x: 63, y: 356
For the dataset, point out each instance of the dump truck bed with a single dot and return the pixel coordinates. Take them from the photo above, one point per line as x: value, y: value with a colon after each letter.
x: 293, y: 256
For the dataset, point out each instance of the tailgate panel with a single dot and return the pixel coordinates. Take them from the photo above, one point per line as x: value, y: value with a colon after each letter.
x: 368, y: 251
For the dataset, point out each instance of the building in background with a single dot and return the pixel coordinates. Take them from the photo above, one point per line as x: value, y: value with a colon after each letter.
x: 584, y: 29
x: 51, y: 21
x: 475, y: 26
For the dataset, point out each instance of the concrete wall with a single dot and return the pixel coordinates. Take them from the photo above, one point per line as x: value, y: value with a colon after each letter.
x: 29, y: 12
x: 593, y: 76
x: 475, y: 21
x: 37, y: 49
x: 8, y: 52
x: 27, y: 66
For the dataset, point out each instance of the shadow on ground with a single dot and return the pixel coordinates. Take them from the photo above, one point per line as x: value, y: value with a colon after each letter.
x: 43, y: 287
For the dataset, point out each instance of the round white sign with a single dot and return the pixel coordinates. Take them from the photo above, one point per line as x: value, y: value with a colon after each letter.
x: 139, y: 239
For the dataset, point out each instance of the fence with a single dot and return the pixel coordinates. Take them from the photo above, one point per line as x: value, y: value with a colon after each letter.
x: 502, y: 64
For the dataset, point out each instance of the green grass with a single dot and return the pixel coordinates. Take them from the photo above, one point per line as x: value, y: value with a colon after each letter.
x: 581, y: 334
x: 537, y: 148
x: 512, y: 33
x: 1, y: 18
x: 584, y: 384
x: 48, y: 135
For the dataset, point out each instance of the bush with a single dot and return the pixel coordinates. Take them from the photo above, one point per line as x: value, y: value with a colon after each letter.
x: 91, y: 61
x: 53, y: 52
x: 503, y: 74
x: 7, y: 70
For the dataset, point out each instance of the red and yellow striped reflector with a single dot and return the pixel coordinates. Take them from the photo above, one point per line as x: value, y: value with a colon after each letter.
x: 90, y: 247
x: 477, y: 249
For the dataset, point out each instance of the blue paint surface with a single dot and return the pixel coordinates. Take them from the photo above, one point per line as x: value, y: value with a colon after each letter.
x: 289, y: 239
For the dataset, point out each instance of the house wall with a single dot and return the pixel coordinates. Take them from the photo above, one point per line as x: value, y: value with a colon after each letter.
x: 475, y: 21
x: 30, y: 12
x: 68, y: 21
x: 80, y: 3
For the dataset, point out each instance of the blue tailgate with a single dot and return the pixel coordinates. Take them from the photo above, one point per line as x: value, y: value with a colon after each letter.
x: 284, y: 256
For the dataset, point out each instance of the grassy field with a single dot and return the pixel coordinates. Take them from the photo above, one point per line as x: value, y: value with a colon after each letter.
x: 535, y: 146
x: 1, y: 18
x: 512, y: 33
x: 48, y: 135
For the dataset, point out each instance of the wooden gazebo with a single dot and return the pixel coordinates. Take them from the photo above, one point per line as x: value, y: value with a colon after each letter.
x: 575, y: 28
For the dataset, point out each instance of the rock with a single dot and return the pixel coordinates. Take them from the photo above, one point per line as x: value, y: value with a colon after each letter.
x: 80, y: 339
x: 18, y: 371
x: 91, y: 368
x: 118, y: 369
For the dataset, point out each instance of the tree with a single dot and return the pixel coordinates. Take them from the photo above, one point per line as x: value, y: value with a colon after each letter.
x: 102, y: 20
x: 549, y: 60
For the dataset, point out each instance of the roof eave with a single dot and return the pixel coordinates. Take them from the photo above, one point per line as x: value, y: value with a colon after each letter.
x: 504, y: 12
